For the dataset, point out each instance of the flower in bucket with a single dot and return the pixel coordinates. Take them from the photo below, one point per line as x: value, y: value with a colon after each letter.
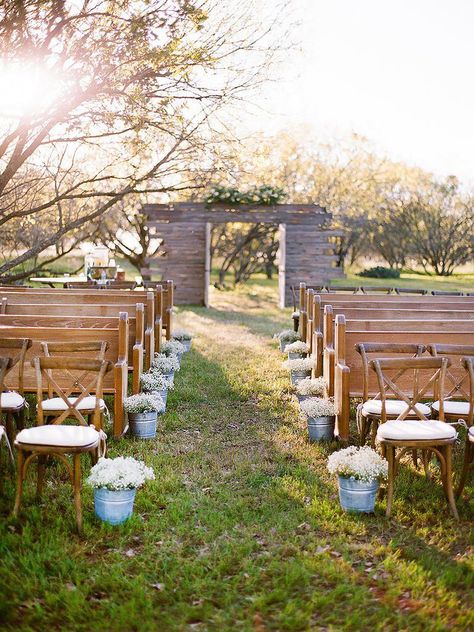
x: 358, y: 463
x: 287, y: 336
x: 180, y: 335
x: 172, y: 347
x: 316, y: 407
x: 119, y: 474
x: 311, y: 386
x: 144, y: 403
x: 152, y: 381
x: 300, y: 365
x: 298, y: 347
x: 165, y: 364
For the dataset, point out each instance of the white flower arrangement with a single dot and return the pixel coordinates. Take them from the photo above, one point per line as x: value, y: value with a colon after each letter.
x: 311, y: 386
x: 155, y: 381
x: 144, y: 403
x: 165, y: 364
x: 181, y: 334
x: 318, y: 407
x: 297, y: 347
x: 119, y: 473
x: 287, y: 335
x: 359, y: 463
x: 298, y: 365
x: 172, y: 347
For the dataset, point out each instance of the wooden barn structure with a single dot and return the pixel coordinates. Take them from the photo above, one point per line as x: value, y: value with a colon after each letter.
x: 306, y: 248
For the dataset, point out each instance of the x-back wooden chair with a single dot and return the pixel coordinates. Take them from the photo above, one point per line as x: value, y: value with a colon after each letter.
x: 468, y: 363
x: 57, y: 439
x: 5, y: 364
x: 13, y: 403
x: 54, y: 406
x: 412, y: 429
x: 369, y: 412
x: 456, y: 402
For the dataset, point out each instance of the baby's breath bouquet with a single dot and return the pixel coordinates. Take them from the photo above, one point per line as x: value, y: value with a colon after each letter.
x: 298, y: 365
x: 358, y: 463
x: 315, y: 407
x: 144, y: 403
x: 152, y: 381
x: 298, y: 347
x: 311, y: 386
x: 165, y: 364
x: 172, y: 347
x: 287, y: 336
x: 119, y: 474
x: 181, y: 335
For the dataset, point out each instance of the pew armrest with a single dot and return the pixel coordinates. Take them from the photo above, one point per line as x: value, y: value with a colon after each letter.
x: 121, y: 387
x: 342, y: 400
x: 318, y: 353
x: 137, y: 366
x: 149, y: 346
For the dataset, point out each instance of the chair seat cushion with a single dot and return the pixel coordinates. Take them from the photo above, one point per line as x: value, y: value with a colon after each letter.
x: 12, y: 401
x: 394, y: 408
x: 415, y: 430
x: 60, y: 436
x: 471, y: 434
x: 56, y: 403
x: 453, y: 408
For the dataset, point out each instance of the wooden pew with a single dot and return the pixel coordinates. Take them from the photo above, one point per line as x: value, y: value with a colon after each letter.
x: 348, y: 377
x: 115, y: 383
x: 321, y: 330
x: 136, y: 332
x: 69, y: 302
x: 94, y: 311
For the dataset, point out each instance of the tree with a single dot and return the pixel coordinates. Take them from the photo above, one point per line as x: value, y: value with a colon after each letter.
x: 137, y: 85
x: 440, y: 224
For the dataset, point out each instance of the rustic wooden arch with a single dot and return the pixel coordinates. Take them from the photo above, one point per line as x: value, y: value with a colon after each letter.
x: 306, y: 251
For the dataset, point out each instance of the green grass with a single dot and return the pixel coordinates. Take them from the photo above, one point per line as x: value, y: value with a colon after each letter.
x: 462, y: 281
x: 242, y: 528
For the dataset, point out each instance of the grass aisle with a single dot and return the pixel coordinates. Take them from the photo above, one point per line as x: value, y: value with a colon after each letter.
x: 242, y: 528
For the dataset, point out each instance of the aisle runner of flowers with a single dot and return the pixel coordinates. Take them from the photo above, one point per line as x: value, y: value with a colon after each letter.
x: 115, y: 481
x: 359, y: 469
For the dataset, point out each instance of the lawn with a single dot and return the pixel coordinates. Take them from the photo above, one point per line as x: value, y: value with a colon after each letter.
x: 242, y: 528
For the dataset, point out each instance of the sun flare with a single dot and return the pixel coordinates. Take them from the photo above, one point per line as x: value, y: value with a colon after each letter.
x: 26, y: 89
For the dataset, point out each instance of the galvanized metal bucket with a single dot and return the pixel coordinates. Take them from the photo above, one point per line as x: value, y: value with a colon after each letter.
x: 295, y: 356
x: 114, y: 507
x: 143, y: 425
x: 302, y: 398
x: 170, y: 376
x: 186, y: 344
x: 283, y: 345
x: 321, y: 428
x: 297, y: 376
x: 356, y: 495
x: 164, y: 395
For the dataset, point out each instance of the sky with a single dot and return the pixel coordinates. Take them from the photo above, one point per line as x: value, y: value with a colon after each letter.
x: 400, y: 72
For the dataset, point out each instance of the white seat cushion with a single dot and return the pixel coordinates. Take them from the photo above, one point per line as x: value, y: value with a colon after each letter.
x: 394, y: 407
x: 12, y: 401
x: 453, y: 408
x: 61, y: 436
x: 56, y: 403
x: 471, y: 434
x: 415, y: 430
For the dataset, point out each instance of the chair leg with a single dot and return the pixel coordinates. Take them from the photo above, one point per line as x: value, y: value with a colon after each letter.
x: 19, y: 481
x: 425, y: 457
x: 40, y: 479
x: 9, y: 426
x: 448, y: 453
x: 391, y: 477
x: 77, y: 490
x: 468, y: 460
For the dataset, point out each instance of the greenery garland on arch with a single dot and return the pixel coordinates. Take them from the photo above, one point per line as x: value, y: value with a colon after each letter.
x: 263, y: 195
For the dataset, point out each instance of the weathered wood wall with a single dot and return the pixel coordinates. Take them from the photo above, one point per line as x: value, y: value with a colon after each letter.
x: 305, y: 248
